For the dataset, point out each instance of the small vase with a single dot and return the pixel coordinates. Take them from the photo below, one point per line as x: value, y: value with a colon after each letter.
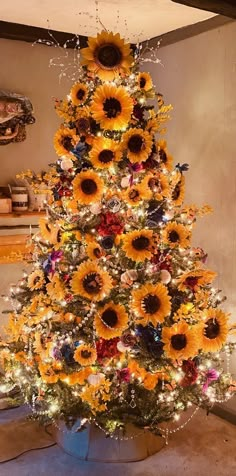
x: 91, y: 444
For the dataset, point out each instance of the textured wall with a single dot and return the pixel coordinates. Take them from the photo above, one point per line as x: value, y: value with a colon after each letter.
x: 198, y: 77
x: 24, y: 69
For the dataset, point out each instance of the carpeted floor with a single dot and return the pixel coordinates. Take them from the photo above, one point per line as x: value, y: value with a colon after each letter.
x: 206, y: 446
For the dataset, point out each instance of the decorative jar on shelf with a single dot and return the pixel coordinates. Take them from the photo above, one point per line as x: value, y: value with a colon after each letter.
x: 19, y: 198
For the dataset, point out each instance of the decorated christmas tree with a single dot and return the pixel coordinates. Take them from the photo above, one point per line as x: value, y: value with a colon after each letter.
x: 117, y: 322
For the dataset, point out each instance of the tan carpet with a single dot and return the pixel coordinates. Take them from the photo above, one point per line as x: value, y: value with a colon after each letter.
x: 205, y: 447
x: 21, y: 435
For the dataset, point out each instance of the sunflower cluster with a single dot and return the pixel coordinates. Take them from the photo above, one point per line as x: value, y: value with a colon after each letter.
x: 118, y: 311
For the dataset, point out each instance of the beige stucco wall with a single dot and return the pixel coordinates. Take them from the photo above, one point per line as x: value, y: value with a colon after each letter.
x: 25, y: 69
x: 198, y: 78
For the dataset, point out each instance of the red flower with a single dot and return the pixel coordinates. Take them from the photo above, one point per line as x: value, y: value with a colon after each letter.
x: 124, y: 375
x: 106, y: 349
x: 110, y: 224
x: 191, y: 373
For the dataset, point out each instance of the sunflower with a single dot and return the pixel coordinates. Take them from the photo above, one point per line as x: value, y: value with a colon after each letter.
x: 94, y: 251
x: 214, y: 330
x: 64, y: 140
x: 158, y: 184
x: 91, y: 282
x: 165, y: 158
x: 195, y: 279
x: 36, y: 280
x: 133, y: 195
x: 107, y: 56
x: 176, y: 235
x: 85, y: 355
x: 137, y: 245
x: 112, y: 107
x: 55, y: 288
x: 88, y: 187
x: 49, y: 231
x: 178, y: 190
x: 181, y: 341
x: 151, y: 303
x: 138, y: 145
x: 104, y: 153
x: 78, y: 93
x: 144, y: 81
x: 111, y: 321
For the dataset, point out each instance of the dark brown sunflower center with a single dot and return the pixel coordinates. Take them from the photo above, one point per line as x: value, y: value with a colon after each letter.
x: 153, y: 183
x: 179, y: 341
x: 141, y: 243
x: 112, y: 107
x: 191, y: 281
x: 86, y: 354
x: 92, y: 283
x: 106, y: 156
x: 151, y: 303
x: 163, y: 156
x: 176, y: 192
x: 134, y: 194
x: 88, y: 186
x: 108, y: 56
x: 80, y: 94
x: 142, y: 82
x: 173, y: 236
x: 97, y: 252
x: 109, y: 317
x: 36, y: 280
x: 66, y: 142
x: 135, y: 143
x: 212, y: 329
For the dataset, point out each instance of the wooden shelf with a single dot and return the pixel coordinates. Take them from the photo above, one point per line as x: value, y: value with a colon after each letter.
x: 22, y: 214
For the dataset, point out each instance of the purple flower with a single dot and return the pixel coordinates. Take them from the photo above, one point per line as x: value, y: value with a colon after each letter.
x: 211, y: 375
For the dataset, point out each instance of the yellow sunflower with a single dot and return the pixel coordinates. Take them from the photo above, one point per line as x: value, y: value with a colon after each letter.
x: 165, y: 158
x: 158, y: 184
x: 178, y: 190
x: 214, y: 330
x: 55, y: 288
x: 144, y: 81
x: 112, y: 107
x: 133, y: 195
x: 104, y: 153
x: 137, y: 244
x: 107, y: 56
x: 195, y: 279
x: 94, y: 251
x: 49, y: 231
x: 36, y: 280
x: 176, y: 235
x: 85, y: 355
x: 151, y: 303
x: 64, y: 140
x: 91, y: 282
x: 111, y: 321
x: 88, y: 187
x: 78, y: 93
x: 138, y: 144
x: 181, y: 341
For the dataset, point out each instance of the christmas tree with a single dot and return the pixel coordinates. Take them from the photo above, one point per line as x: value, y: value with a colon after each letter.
x: 118, y: 321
